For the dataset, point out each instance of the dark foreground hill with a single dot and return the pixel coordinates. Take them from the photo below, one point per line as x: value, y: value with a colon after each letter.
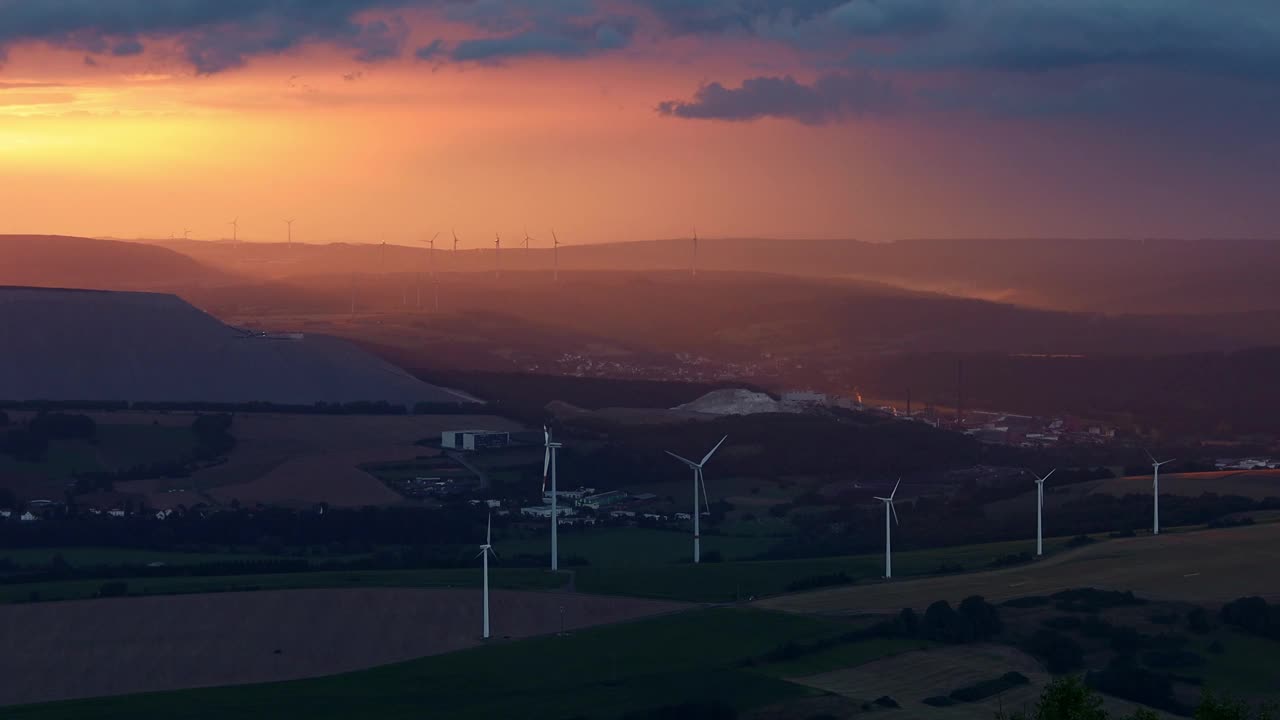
x: 73, y: 345
x: 59, y: 261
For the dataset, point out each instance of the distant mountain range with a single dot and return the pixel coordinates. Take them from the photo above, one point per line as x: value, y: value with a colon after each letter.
x: 1154, y: 276
x: 76, y: 345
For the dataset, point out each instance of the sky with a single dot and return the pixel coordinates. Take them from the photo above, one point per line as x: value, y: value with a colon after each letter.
x: 608, y: 120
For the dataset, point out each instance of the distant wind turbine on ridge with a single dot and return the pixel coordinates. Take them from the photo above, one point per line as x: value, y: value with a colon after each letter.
x: 1040, y: 511
x: 698, y: 481
x: 485, y: 551
x: 889, y: 508
x: 549, y: 465
x: 289, y: 224
x: 497, y: 255
x: 693, y: 269
x: 235, y: 230
x: 431, y: 259
x: 555, y: 257
x: 453, y: 259
x: 186, y: 234
x: 1155, y: 487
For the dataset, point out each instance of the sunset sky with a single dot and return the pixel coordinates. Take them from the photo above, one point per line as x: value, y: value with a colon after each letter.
x: 390, y: 120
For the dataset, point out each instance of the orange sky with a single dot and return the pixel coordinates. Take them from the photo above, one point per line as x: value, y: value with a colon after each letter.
x: 143, y: 147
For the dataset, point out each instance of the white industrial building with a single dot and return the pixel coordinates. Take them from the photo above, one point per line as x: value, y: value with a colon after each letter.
x: 472, y: 440
x: 544, y: 511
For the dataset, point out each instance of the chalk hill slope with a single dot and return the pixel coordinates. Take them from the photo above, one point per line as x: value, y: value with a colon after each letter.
x: 97, y: 345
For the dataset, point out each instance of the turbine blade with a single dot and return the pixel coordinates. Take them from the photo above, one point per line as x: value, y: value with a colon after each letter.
x: 1148, y: 452
x: 895, y: 490
x: 690, y: 463
x: 895, y: 514
x: 488, y: 532
x: 706, y: 502
x: 713, y: 450
x: 1051, y: 472
x: 546, y: 467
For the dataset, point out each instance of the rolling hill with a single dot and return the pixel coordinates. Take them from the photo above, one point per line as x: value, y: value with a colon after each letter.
x: 112, y: 346
x: 60, y: 261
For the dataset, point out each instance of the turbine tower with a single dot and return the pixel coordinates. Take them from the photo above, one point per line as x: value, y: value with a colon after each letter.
x: 1040, y: 511
x: 1155, y: 486
x: 497, y: 255
x: 698, y: 480
x: 431, y: 258
x: 526, y: 242
x: 485, y: 551
x: 694, y: 267
x: 549, y: 465
x: 186, y: 234
x: 235, y: 230
x: 555, y: 257
x: 889, y: 508
x: 289, y: 223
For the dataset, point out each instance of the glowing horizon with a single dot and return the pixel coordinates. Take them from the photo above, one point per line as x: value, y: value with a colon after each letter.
x: 616, y: 120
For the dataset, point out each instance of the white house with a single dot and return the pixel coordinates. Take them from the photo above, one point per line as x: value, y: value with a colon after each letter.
x: 28, y: 517
x: 6, y: 513
x: 117, y: 512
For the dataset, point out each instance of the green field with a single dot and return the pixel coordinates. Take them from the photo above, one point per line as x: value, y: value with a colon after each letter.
x: 109, y: 556
x: 1249, y: 665
x: 730, y: 581
x: 600, y: 673
x: 508, y: 578
x: 632, y: 547
x: 115, y: 447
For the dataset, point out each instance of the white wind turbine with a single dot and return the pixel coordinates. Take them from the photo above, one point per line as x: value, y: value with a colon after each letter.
x: 431, y: 259
x: 485, y: 551
x: 694, y: 266
x: 497, y: 255
x: 186, y: 234
x: 527, y: 239
x: 235, y: 230
x: 888, y: 508
x: 549, y: 466
x: 289, y: 223
x: 555, y: 258
x: 698, y: 480
x: 1040, y: 511
x: 1155, y: 485
x: 453, y: 259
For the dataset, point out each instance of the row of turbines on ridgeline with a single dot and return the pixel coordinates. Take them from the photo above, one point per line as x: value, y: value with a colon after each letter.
x: 700, y: 491
x: 497, y: 247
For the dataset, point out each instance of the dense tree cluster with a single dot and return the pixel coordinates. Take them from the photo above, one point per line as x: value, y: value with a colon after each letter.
x: 30, y: 441
x: 1253, y: 615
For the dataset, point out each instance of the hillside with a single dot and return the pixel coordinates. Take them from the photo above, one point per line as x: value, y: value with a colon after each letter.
x: 59, y: 261
x: 1151, y: 276
x: 95, y: 345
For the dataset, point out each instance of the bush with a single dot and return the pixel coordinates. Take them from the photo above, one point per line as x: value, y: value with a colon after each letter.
x: 1094, y: 600
x: 1031, y: 601
x: 939, y: 701
x: 1198, y: 621
x: 1171, y: 659
x: 113, y: 589
x: 1129, y: 682
x: 1253, y: 615
x: 989, y: 688
x: 1060, y: 653
x: 1062, y: 622
x: 1080, y: 541
x: 1164, y: 618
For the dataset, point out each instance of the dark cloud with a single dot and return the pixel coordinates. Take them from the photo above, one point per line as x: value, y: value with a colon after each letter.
x: 564, y: 41
x: 831, y: 97
x: 431, y: 51
x: 127, y: 47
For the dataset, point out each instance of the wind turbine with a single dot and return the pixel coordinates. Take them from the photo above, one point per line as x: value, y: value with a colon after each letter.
x: 888, y: 508
x: 694, y: 267
x: 186, y: 234
x: 555, y: 273
x: 432, y: 259
x: 485, y: 551
x: 1040, y: 511
x: 235, y: 230
x: 497, y: 255
x: 1155, y: 485
x: 698, y: 480
x: 526, y: 241
x: 289, y: 223
x: 549, y: 464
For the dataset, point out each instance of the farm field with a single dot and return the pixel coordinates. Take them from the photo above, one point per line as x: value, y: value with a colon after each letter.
x: 117, y: 646
x: 303, y: 460
x: 603, y: 672
x: 117, y: 446
x: 911, y: 677
x: 1205, y: 566
x: 110, y: 556
x: 509, y: 578
x: 732, y: 581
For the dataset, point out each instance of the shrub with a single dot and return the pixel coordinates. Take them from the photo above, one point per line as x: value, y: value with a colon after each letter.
x: 1140, y: 685
x: 1061, y: 654
x: 1031, y: 601
x: 939, y: 701
x: 697, y: 710
x: 989, y: 688
x: 1171, y: 659
x: 1062, y: 622
x: 1080, y: 541
x: 113, y: 589
x: 1198, y: 621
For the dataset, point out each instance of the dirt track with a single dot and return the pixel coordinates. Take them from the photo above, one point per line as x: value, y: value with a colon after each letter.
x: 1210, y: 566
x: 91, y: 648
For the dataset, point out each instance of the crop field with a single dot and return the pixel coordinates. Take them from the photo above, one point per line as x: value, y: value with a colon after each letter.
x: 509, y: 578
x: 731, y: 581
x: 118, y: 646
x: 1207, y: 566
x: 603, y: 672
x: 111, y: 556
x: 117, y: 446
x: 1254, y: 484
x: 302, y: 460
x: 911, y: 677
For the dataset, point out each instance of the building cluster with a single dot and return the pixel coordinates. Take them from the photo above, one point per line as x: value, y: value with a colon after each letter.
x: 1249, y: 463
x: 474, y: 440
